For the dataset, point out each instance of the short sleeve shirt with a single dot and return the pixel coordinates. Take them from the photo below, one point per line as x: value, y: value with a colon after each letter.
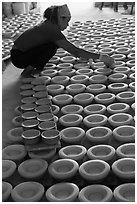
x: 43, y: 33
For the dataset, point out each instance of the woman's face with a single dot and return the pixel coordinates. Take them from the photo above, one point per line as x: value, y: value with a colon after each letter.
x: 63, y: 22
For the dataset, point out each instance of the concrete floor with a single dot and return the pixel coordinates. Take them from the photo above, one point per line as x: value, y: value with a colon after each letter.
x: 80, y: 11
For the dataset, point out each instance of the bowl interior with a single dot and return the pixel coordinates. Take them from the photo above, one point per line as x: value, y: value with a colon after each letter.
x: 101, y: 151
x: 127, y: 192
x: 95, y: 194
x: 70, y: 118
x: 71, y: 133
x: 126, y: 166
x: 95, y: 118
x: 125, y: 131
x: 62, y: 191
x: 94, y: 167
x: 98, y: 132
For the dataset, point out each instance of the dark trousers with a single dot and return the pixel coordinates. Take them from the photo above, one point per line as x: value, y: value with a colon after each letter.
x: 36, y: 57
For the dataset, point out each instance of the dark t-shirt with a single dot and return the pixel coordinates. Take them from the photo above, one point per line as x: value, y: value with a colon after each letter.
x: 43, y: 33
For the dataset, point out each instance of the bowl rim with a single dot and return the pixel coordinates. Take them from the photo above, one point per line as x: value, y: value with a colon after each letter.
x: 126, y: 145
x: 11, y: 170
x: 8, y: 189
x: 18, y: 156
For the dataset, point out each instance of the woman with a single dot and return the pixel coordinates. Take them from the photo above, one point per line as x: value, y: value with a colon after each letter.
x: 37, y: 45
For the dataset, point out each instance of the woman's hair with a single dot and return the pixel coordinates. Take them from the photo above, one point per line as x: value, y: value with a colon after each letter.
x: 51, y: 14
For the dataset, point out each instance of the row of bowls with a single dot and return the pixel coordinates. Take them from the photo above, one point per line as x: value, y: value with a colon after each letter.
x: 68, y: 192
x: 92, y: 171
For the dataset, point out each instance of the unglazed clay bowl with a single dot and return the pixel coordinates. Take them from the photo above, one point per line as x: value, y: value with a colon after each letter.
x: 14, y: 135
x: 94, y: 109
x: 6, y: 190
x: 118, y: 108
x: 83, y: 98
x: 74, y: 89
x: 50, y: 136
x: 72, y: 108
x: 117, y: 87
x: 126, y: 150
x: 105, y: 98
x: 95, y: 193
x: 96, y: 88
x: 55, y: 89
x: 95, y: 120
x: 62, y: 99
x: 8, y: 168
x: 119, y: 119
x: 71, y: 119
x: 126, y: 97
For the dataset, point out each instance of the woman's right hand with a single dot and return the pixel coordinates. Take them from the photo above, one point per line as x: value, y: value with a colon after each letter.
x: 109, y: 61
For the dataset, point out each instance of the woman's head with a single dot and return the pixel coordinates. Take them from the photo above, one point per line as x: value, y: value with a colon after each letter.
x: 59, y: 15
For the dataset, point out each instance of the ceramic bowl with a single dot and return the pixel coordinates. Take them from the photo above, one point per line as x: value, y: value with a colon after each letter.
x: 67, y: 72
x: 99, y: 134
x: 26, y: 86
x: 81, y: 65
x: 47, y: 125
x: 132, y: 86
x: 122, y: 50
x: 50, y: 137
x: 27, y: 93
x: 27, y: 192
x: 72, y: 135
x: 30, y: 124
x: 14, y: 152
x: 132, y: 77
x: 54, y: 60
x: 70, y: 120
x: 96, y: 88
x: 28, y: 107
x: 18, y: 110
x: 31, y: 136
x: 126, y: 96
x: 103, y: 152
x: 105, y: 71
x: 76, y: 152
x: 63, y: 80
x: 117, y: 87
x: 62, y: 99
x: 63, y: 169
x: 43, y: 109
x: 84, y: 71
x: 17, y: 121
x: 95, y: 193
x: 95, y: 120
x: 124, y: 168
x: 73, y: 108
x: 131, y: 56
x: 6, y: 190
x: 55, y: 89
x: 130, y: 63
x: 28, y: 100
x: 55, y: 109
x: 83, y: 98
x: 49, y: 72
x: 79, y: 79
x: 62, y: 192
x: 117, y: 77
x: 32, y: 168
x: 29, y: 115
x: 47, y: 155
x: 94, y: 170
x: 94, y: 109
x: 118, y: 108
x: 61, y: 52
x: 65, y: 65
x: 68, y: 59
x: 14, y: 135
x: 119, y: 63
x: 124, y: 70
x: 126, y: 150
x: 40, y: 94
x: 124, y: 133
x: 125, y: 192
x: 133, y: 106
x: 119, y: 119
x: 98, y: 79
x: 49, y: 66
x: 75, y: 88
x: 99, y: 65
x: 8, y: 168
x: 41, y: 87
x: 119, y: 57
x: 105, y: 98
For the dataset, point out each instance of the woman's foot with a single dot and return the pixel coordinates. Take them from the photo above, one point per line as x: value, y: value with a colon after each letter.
x: 27, y: 71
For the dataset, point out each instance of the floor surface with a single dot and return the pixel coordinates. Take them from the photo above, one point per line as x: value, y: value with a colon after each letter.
x: 80, y: 11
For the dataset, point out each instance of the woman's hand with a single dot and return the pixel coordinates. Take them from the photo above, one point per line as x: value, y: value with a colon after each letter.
x: 109, y: 61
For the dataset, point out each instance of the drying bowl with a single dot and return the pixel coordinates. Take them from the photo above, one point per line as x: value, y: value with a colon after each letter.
x: 6, y: 190
x: 54, y: 60
x: 119, y: 119
x: 94, y: 170
x: 94, y: 109
x: 68, y: 59
x: 76, y: 152
x: 102, y: 152
x: 126, y: 97
x: 62, y: 169
x: 66, y: 72
x: 132, y: 77
x: 99, y: 134
x: 132, y: 86
x: 117, y: 87
x: 122, y: 50
x: 62, y: 192
x: 27, y: 93
x: 96, y: 88
x: 125, y: 192
x: 124, y: 133
x: 32, y: 168
x: 105, y: 71
x: 124, y: 70
x: 40, y: 94
x: 29, y: 115
x: 63, y: 80
x: 14, y: 135
x: 83, y: 98
x: 75, y: 88
x: 26, y: 86
x: 95, y: 193
x: 62, y: 99
x: 47, y: 116
x: 87, y: 72
x: 50, y: 66
x: 126, y: 150
x: 81, y: 66
x: 124, y: 169
x: 98, y: 79
x: 8, y: 168
x: 14, y: 152
x: 55, y: 109
x: 17, y: 121
x: 72, y: 135
x: 50, y: 137
x: 49, y: 72
x: 73, y: 108
x: 28, y: 100
x: 117, y: 77
x: 27, y: 192
x: 55, y: 89
x: 43, y: 109
x: 130, y: 63
x: 42, y: 80
x: 65, y: 65
x: 28, y: 107
x: 119, y: 63
x: 79, y: 79
x: 71, y: 119
x: 95, y: 120
x: 118, y: 108
x: 105, y: 98
x: 119, y: 57
x: 47, y: 125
